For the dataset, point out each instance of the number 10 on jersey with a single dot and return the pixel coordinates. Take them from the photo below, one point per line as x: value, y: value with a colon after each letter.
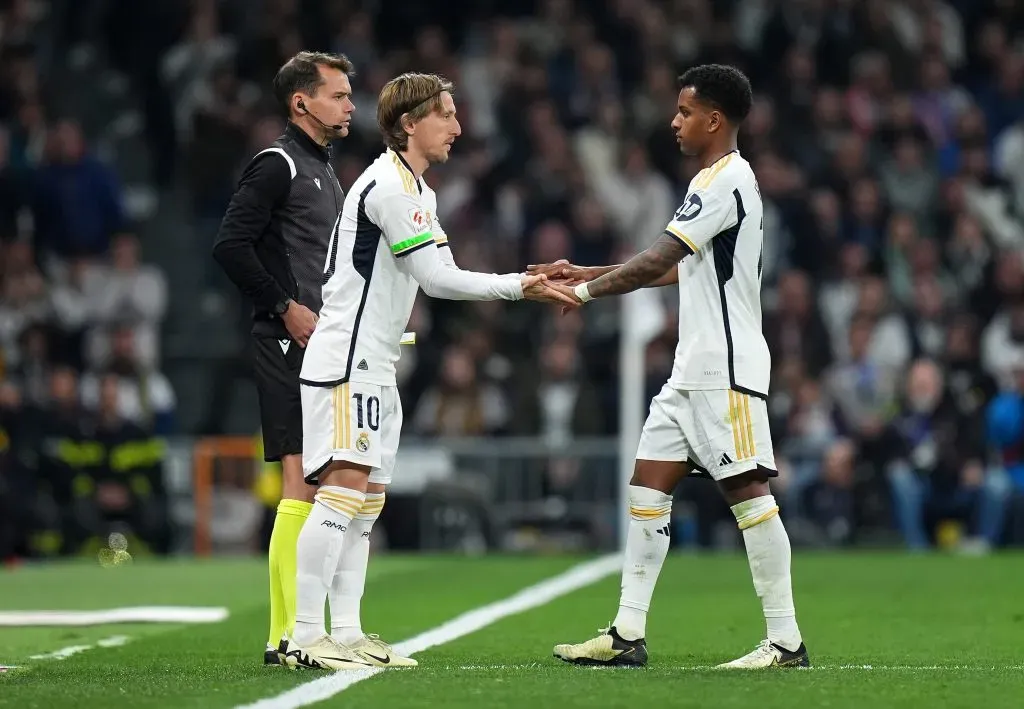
x: 371, y: 419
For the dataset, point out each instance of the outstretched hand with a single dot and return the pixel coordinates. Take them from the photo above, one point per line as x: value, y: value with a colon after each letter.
x: 561, y: 271
x: 538, y: 288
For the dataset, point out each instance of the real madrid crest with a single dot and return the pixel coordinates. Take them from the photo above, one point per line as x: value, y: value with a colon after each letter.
x: 363, y: 442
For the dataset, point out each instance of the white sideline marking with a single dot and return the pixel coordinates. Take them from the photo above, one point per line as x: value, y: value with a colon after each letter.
x: 65, y: 652
x: 141, y: 614
x: 530, y: 597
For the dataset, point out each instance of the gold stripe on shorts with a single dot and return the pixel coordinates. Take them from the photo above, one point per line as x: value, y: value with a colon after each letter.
x: 340, y: 406
x: 346, y: 406
x: 734, y: 421
x: 751, y: 448
x: 335, y: 443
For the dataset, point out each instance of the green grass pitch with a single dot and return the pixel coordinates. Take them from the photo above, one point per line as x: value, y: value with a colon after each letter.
x: 883, y: 631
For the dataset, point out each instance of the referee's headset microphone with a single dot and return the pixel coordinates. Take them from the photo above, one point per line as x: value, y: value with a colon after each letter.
x: 336, y: 126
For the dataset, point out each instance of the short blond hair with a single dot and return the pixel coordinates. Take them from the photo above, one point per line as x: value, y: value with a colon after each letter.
x: 411, y: 95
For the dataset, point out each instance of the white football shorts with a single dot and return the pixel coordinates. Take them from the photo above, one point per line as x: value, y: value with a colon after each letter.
x: 719, y: 431
x: 352, y: 422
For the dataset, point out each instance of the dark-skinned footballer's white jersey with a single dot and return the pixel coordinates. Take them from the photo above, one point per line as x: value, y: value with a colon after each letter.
x: 387, y: 244
x: 713, y: 411
x: 721, y: 345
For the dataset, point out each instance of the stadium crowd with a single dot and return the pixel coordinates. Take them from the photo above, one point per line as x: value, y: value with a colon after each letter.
x: 82, y: 400
x: 888, y: 141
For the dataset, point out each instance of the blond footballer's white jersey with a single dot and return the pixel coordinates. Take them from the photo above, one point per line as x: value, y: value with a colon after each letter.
x: 386, y: 245
x: 721, y: 345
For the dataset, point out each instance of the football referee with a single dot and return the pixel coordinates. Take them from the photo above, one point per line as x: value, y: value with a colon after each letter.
x: 273, y: 245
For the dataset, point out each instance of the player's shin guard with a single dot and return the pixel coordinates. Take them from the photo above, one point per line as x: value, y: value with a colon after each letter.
x: 769, y: 554
x: 319, y: 556
x: 646, y: 547
x: 291, y: 515
x: 347, y: 589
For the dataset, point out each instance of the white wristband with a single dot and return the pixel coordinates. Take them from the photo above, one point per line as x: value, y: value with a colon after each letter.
x: 583, y: 293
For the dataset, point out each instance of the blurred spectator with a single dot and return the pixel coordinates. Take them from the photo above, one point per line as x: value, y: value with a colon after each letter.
x: 890, y: 346
x: 59, y: 430
x: 124, y: 490
x: 219, y: 122
x: 808, y: 432
x: 36, y: 362
x: 10, y: 495
x: 460, y: 404
x: 1002, y: 98
x: 145, y: 397
x: 969, y: 256
x: 938, y: 101
x: 926, y: 322
x: 886, y: 136
x: 560, y: 402
x: 187, y: 67
x: 989, y: 198
x: 23, y: 297
x: 829, y: 501
x: 838, y: 296
x: 1002, y: 343
x: 13, y: 193
x: 78, y: 198
x: 1008, y: 161
x: 969, y: 385
x: 902, y: 235
x: 937, y: 470
x: 636, y: 199
x: 1005, y: 429
x: 74, y: 303
x: 909, y: 182
x: 795, y: 329
x: 127, y: 292
x: 866, y: 216
x: 862, y: 389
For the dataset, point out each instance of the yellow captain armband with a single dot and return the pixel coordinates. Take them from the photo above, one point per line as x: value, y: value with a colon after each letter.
x: 408, y: 338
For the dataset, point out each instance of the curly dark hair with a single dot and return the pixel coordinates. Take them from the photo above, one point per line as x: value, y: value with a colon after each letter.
x: 722, y: 86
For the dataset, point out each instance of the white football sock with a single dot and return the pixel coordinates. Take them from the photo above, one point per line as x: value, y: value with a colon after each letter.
x: 769, y: 554
x: 319, y: 555
x: 347, y: 589
x: 646, y: 548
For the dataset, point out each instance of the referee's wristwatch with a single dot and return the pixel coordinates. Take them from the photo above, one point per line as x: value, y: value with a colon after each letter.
x: 281, y: 307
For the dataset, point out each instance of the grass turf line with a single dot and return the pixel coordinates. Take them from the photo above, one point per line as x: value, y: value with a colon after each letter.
x: 889, y: 611
x: 220, y: 665
x: 467, y: 623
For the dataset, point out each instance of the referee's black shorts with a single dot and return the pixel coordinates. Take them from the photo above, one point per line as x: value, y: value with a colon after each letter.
x: 276, y: 367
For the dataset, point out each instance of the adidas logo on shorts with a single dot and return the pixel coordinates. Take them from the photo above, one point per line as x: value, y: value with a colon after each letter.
x: 725, y: 459
x: 362, y: 365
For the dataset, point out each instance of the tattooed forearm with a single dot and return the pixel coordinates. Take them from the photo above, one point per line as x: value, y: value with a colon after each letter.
x: 641, y: 270
x: 670, y: 278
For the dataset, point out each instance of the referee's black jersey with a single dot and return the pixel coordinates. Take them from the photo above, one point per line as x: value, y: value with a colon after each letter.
x: 274, y: 237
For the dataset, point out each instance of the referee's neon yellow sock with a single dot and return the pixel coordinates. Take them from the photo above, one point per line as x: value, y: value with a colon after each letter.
x: 291, y: 515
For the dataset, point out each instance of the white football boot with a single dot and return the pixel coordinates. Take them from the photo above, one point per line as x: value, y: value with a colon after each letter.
x: 374, y: 651
x: 608, y: 649
x: 768, y: 654
x: 324, y: 654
